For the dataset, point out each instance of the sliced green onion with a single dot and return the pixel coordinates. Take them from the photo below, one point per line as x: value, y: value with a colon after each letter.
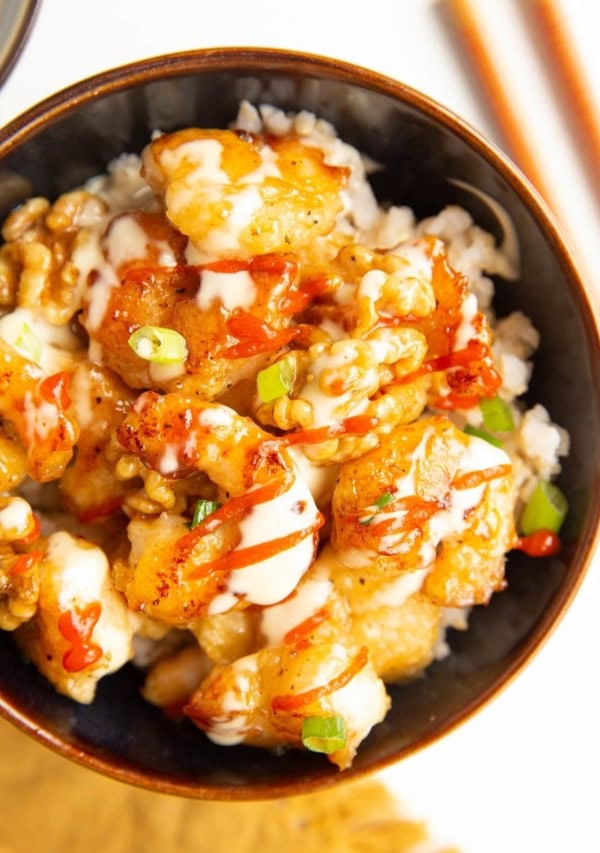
x: 324, y: 734
x: 384, y: 500
x: 202, y: 509
x: 28, y: 343
x: 159, y: 345
x: 545, y: 510
x: 275, y: 381
x: 481, y: 433
x: 497, y: 415
x: 365, y: 521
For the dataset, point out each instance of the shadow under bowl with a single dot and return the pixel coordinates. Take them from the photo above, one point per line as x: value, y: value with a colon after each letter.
x: 72, y: 136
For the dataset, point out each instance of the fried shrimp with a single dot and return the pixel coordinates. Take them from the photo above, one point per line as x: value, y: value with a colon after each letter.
x: 418, y: 502
x: 240, y: 194
x: 82, y: 629
x: 231, y: 558
x: 263, y: 699
x: 40, y: 410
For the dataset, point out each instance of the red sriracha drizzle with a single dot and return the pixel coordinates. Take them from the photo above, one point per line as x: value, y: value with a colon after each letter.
x: 541, y: 543
x: 293, y: 701
x: 76, y: 626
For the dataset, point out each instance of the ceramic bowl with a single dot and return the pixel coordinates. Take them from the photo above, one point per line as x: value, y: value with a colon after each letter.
x: 68, y: 138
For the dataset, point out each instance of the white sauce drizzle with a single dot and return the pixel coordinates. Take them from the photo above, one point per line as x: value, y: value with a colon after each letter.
x: 274, y: 578
x: 233, y: 290
x: 81, y: 576
x: 15, y: 518
x: 56, y: 343
x: 311, y: 595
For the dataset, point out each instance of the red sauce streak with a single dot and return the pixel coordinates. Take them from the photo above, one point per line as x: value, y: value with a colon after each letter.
x: 33, y: 534
x: 235, y: 508
x: 241, y: 557
x: 418, y: 512
x: 104, y: 510
x: 474, y: 351
x: 293, y: 701
x: 76, y: 626
x: 254, y: 336
x: 541, y: 543
x: 450, y: 402
x: 25, y: 562
x: 356, y: 425
x: 299, y: 632
x: 55, y: 389
x: 298, y: 299
x: 476, y: 478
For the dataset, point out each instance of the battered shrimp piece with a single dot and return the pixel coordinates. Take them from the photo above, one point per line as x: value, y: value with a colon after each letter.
x: 234, y: 315
x: 428, y: 484
x: 82, y: 630
x: 39, y: 408
x: 237, y: 194
x: 251, y: 550
x: 101, y: 401
x: 172, y: 680
x: 262, y: 699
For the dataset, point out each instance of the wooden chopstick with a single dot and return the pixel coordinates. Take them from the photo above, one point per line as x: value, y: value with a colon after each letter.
x: 561, y: 55
x: 517, y: 141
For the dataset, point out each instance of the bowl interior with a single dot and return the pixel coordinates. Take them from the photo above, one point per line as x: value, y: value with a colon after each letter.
x: 419, y: 146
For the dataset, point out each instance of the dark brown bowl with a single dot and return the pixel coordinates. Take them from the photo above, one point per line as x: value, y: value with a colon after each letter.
x: 70, y: 137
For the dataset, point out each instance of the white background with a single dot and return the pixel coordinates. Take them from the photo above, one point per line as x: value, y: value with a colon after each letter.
x: 522, y: 775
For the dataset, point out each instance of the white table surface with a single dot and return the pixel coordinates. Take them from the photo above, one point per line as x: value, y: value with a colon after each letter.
x: 522, y: 775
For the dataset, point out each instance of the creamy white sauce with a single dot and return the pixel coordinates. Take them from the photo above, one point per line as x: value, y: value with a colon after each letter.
x: 466, y: 331
x: 201, y: 156
x: 217, y: 416
x: 81, y: 395
x: 15, y: 518
x: 79, y: 576
x: 125, y: 241
x: 419, y: 261
x: 396, y: 592
x: 52, y: 346
x: 245, y: 204
x: 371, y: 285
x: 231, y: 726
x: 233, y: 290
x: 320, y: 479
x: 362, y: 702
x: 165, y: 372
x: 311, y: 595
x: 271, y: 580
x: 40, y: 419
x: 326, y: 407
x: 169, y: 461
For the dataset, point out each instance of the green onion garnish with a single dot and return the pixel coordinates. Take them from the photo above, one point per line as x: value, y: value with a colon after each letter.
x: 545, y: 510
x: 324, y: 734
x: 202, y: 509
x: 275, y: 381
x: 481, y: 433
x: 159, y: 345
x: 28, y: 343
x: 497, y: 415
x: 382, y: 500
